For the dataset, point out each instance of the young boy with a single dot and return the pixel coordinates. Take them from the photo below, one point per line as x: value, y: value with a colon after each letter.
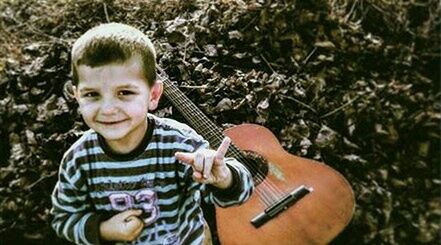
x: 134, y: 177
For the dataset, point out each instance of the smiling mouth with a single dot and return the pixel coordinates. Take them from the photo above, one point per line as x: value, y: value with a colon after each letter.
x: 111, y: 122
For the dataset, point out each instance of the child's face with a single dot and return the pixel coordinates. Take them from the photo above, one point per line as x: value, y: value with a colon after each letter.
x: 114, y: 99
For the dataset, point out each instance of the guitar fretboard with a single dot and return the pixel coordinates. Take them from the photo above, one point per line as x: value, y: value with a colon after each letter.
x: 196, y: 118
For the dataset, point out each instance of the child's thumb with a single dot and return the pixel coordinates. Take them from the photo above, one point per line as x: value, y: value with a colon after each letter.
x: 130, y: 214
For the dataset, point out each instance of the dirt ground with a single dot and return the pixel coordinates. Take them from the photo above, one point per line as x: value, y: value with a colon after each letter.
x: 354, y: 84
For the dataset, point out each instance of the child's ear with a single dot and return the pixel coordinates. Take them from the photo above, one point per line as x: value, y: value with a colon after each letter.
x: 155, y: 95
x: 75, y: 92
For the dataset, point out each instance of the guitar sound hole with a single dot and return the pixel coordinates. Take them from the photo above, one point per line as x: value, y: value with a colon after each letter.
x: 256, y: 164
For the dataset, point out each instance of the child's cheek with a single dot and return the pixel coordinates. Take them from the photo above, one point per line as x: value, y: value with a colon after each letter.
x: 136, y: 109
x: 88, y: 107
x: 88, y: 111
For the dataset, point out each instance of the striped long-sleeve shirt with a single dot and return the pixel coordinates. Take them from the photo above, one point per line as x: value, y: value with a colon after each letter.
x: 95, y: 184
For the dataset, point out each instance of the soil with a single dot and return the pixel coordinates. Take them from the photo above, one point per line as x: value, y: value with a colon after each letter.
x: 354, y: 84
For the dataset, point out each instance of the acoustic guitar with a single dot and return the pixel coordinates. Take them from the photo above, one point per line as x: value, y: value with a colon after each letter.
x: 295, y: 201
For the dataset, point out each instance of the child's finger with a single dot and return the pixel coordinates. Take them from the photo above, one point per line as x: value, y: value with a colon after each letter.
x: 208, y: 163
x: 134, y: 224
x: 138, y: 231
x: 199, y: 162
x: 197, y: 176
x: 222, y: 149
x: 185, y: 157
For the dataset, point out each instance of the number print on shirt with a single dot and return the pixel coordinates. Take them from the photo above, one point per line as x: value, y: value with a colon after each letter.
x: 121, y: 201
x: 148, y: 200
x: 145, y: 199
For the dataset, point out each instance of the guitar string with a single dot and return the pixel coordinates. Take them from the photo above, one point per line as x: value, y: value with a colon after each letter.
x: 177, y: 94
x: 267, y: 196
x: 272, y: 190
x: 272, y: 194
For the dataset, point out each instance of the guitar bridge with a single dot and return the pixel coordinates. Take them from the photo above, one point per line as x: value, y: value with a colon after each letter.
x: 280, y: 206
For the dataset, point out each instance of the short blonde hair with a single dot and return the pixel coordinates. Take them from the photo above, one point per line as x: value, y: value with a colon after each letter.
x: 110, y: 43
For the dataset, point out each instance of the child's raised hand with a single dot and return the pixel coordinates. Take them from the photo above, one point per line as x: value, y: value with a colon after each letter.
x: 124, y: 226
x: 208, y: 165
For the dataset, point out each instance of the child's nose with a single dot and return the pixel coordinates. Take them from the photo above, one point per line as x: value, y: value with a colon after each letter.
x: 108, y: 106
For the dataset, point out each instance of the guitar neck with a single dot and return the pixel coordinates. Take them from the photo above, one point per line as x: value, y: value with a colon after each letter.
x: 195, y: 117
x: 204, y: 126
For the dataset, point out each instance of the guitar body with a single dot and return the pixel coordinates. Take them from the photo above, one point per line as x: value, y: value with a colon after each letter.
x: 306, y: 202
x: 316, y: 218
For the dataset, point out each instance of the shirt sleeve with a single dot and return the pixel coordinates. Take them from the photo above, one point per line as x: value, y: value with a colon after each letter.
x: 239, y: 191
x: 73, y: 218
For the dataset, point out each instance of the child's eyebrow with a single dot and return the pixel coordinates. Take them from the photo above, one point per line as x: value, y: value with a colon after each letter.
x: 124, y: 86
x: 127, y: 86
x: 83, y: 90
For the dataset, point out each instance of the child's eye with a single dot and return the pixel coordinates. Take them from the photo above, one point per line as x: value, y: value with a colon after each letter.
x: 125, y: 92
x: 90, y: 95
